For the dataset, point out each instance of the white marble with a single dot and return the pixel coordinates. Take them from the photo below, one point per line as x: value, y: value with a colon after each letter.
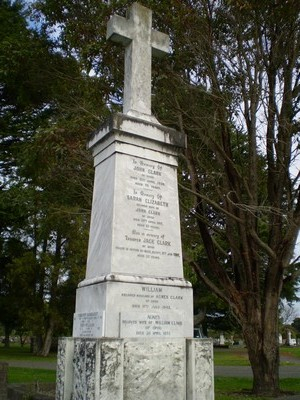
x: 168, y: 306
x: 65, y: 369
x: 135, y: 219
x: 131, y: 369
x: 200, y: 369
x: 124, y: 128
x: 133, y: 322
x: 154, y: 369
x: 136, y: 34
x: 101, y: 230
x: 88, y: 324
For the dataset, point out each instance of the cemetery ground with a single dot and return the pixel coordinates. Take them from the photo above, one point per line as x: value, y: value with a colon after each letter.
x: 30, y: 369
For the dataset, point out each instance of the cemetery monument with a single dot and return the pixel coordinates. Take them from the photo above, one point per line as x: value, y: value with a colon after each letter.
x: 133, y: 322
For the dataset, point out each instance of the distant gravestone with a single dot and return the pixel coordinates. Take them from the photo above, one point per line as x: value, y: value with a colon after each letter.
x: 289, y: 338
x: 222, y: 339
x: 133, y: 322
x: 3, y: 380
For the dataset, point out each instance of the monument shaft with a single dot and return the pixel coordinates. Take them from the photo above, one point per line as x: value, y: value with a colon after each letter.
x: 134, y: 284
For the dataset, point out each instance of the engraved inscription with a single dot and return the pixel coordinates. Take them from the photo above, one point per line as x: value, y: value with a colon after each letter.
x: 147, y: 200
x: 151, y: 298
x: 150, y: 325
x: 88, y: 324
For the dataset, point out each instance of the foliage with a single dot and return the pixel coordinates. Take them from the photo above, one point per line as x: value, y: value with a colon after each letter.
x: 48, y: 106
x: 296, y: 325
x: 235, y: 95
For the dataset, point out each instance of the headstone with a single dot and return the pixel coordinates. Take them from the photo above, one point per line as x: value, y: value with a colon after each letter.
x: 3, y: 380
x: 289, y: 338
x: 133, y: 321
x: 280, y: 338
x: 222, y: 339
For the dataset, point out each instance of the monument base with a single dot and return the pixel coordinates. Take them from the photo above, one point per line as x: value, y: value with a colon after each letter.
x: 118, y: 306
x: 132, y: 369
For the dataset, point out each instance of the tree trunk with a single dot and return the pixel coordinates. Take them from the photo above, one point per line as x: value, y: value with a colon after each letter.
x: 6, y: 337
x: 264, y: 360
x: 36, y: 344
x: 48, y: 339
x: 261, y: 337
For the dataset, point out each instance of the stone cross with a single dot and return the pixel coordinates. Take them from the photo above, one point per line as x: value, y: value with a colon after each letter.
x: 136, y: 34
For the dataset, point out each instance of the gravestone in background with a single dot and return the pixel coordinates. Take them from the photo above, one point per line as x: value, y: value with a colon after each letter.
x: 133, y: 322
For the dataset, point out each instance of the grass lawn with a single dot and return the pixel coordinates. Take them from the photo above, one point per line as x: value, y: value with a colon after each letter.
x: 227, y: 388
x: 291, y: 352
x: 30, y: 375
x: 232, y: 356
x: 26, y: 375
x: 16, y: 352
x: 238, y: 356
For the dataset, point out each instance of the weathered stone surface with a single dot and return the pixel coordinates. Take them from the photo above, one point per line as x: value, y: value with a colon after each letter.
x: 154, y: 369
x: 110, y: 373
x: 84, y: 369
x: 200, y: 376
x: 65, y: 369
x: 131, y: 369
x: 136, y: 34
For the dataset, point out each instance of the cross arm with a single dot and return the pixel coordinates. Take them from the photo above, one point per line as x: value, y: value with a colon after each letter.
x: 120, y: 30
x: 160, y: 43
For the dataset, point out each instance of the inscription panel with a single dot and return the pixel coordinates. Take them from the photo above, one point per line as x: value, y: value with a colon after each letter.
x: 88, y: 325
x: 147, y: 213
x: 153, y: 310
x: 153, y: 298
x: 150, y: 325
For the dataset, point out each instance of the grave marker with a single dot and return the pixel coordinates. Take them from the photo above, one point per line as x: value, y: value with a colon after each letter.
x: 133, y: 322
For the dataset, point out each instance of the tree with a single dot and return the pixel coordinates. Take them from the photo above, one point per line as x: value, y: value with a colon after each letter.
x: 240, y: 158
x: 296, y: 325
x: 47, y: 109
x: 234, y: 78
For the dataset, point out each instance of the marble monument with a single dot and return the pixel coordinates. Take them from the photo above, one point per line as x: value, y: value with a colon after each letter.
x: 133, y: 321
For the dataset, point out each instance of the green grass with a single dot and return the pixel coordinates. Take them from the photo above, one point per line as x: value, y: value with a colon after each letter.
x: 227, y: 388
x: 232, y: 356
x: 16, y: 352
x: 290, y: 351
x: 26, y: 375
x: 239, y: 356
x: 232, y: 388
x: 30, y: 375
